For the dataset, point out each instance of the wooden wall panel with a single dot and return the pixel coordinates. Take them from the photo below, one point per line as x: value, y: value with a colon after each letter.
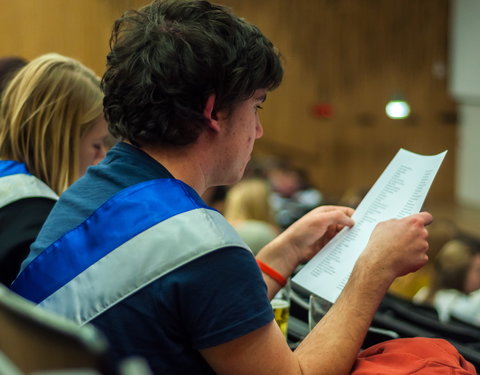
x: 73, y: 28
x: 352, y: 55
x: 80, y: 29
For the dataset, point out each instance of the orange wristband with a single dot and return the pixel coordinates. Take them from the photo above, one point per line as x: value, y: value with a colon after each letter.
x: 272, y: 273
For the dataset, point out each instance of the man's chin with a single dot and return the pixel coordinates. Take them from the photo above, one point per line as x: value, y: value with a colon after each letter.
x: 236, y: 179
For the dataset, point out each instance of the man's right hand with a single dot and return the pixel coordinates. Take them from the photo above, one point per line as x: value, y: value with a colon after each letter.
x: 397, y: 246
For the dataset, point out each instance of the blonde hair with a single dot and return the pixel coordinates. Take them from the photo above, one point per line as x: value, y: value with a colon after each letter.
x: 45, y: 110
x: 249, y: 200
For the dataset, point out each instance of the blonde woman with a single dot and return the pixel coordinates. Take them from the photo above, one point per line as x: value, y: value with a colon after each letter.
x: 51, y: 129
x: 247, y: 208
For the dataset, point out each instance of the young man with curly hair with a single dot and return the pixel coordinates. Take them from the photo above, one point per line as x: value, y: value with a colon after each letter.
x: 133, y: 249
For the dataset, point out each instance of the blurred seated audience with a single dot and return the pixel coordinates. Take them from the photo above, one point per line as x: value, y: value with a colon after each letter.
x: 51, y: 129
x: 455, y: 286
x: 9, y: 65
x: 440, y: 232
x: 248, y: 209
x: 292, y: 195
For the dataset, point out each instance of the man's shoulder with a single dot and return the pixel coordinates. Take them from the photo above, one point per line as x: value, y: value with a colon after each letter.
x: 191, y: 284
x: 121, y: 169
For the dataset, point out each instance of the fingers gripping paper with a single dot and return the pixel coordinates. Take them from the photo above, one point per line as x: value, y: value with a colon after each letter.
x: 400, y: 191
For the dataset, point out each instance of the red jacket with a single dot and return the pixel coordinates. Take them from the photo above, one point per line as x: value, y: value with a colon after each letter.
x: 412, y: 356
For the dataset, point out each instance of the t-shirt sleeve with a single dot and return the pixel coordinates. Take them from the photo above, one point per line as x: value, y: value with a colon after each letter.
x: 221, y: 296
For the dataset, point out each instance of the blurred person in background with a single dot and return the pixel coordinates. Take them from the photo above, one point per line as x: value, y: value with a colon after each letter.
x: 454, y: 289
x: 292, y: 195
x: 248, y: 209
x: 51, y: 129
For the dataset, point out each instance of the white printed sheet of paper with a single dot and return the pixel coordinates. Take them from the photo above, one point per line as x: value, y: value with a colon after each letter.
x: 400, y: 191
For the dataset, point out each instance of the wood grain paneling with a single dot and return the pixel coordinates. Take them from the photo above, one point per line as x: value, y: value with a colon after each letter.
x: 352, y: 55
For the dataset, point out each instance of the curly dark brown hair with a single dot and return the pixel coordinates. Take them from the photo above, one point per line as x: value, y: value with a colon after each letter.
x: 167, y: 58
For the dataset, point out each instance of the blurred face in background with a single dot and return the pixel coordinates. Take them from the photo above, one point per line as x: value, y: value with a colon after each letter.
x: 285, y: 182
x: 472, y: 279
x: 92, y: 145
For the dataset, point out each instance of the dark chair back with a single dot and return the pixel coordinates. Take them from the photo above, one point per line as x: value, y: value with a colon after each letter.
x: 35, y: 340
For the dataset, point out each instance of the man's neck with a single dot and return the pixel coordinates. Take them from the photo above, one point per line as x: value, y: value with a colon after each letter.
x: 186, y: 164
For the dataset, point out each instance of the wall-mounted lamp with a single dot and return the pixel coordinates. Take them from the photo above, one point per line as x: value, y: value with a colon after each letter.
x: 397, y: 108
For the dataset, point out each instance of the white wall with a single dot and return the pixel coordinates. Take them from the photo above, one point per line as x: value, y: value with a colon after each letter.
x: 465, y: 87
x: 468, y: 162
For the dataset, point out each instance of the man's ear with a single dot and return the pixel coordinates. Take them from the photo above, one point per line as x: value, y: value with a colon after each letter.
x: 208, y: 113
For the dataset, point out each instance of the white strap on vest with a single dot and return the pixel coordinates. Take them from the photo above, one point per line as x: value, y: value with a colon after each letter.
x: 21, y: 186
x: 140, y: 261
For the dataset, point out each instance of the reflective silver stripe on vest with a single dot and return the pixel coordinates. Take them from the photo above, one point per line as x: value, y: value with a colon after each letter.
x: 140, y: 261
x: 21, y: 186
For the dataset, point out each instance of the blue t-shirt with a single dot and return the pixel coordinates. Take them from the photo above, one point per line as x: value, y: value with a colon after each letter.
x: 209, y: 301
